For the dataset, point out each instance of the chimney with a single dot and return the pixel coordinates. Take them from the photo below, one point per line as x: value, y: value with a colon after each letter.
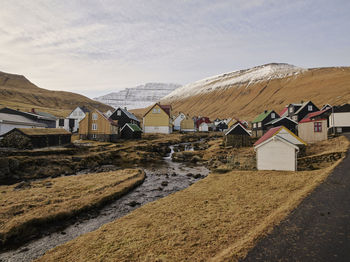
x: 302, y: 102
x: 265, y: 111
x: 125, y: 108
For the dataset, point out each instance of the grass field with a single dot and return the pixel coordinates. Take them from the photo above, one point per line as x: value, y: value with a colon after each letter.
x: 219, y: 218
x: 25, y: 206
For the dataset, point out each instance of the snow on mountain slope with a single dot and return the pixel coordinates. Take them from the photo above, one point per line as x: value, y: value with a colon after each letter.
x: 241, y: 77
x: 138, y: 97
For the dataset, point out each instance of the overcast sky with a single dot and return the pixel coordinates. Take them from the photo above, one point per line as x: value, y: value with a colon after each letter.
x: 94, y: 47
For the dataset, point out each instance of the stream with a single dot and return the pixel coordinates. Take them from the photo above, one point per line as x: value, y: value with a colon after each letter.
x: 161, y: 180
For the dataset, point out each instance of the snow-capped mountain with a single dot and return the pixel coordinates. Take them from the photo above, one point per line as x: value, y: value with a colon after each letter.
x: 138, y: 97
x: 242, y: 77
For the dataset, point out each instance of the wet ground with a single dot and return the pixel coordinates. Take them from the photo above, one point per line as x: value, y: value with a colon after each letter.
x: 162, y: 180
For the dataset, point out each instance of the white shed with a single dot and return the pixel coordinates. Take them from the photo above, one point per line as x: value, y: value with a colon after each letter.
x: 276, y: 153
x: 204, y: 127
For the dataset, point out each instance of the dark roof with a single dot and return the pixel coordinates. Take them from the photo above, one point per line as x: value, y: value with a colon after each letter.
x: 45, y: 114
x: 19, y: 119
x: 274, y: 121
x: 84, y: 109
x: 129, y: 114
x: 26, y: 114
x: 237, y: 125
x: 303, y: 106
x: 342, y: 108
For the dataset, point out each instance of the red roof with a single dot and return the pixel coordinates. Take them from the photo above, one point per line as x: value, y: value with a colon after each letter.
x: 283, y: 111
x: 309, y: 117
x: 202, y: 120
x: 166, y: 108
x: 270, y: 133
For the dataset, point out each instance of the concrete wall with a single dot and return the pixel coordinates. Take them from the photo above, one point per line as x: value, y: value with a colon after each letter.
x: 276, y: 155
x: 157, y: 129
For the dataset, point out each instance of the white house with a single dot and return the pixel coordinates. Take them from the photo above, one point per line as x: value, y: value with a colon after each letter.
x: 339, y: 119
x: 276, y: 153
x: 177, y: 121
x: 204, y: 127
x: 11, y: 121
x: 277, y: 150
x: 71, y: 122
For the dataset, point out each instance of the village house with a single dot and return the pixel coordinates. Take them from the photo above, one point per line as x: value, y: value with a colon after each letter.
x: 221, y: 126
x: 28, y: 138
x: 283, y: 121
x: 130, y: 131
x: 96, y: 126
x: 48, y: 121
x: 313, y: 127
x: 339, y: 119
x: 277, y: 149
x: 10, y: 121
x: 259, y: 123
x: 297, y: 112
x: 123, y: 116
x: 187, y: 125
x: 238, y: 136
x: 71, y: 122
x: 158, y: 119
x: 177, y: 121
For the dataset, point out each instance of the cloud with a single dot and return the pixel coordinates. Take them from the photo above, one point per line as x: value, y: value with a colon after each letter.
x: 95, y: 46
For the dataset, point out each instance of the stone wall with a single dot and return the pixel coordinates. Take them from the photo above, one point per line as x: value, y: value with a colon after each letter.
x: 319, y: 161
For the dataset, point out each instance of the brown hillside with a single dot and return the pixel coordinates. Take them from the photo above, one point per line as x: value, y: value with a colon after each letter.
x: 18, y: 92
x: 321, y: 85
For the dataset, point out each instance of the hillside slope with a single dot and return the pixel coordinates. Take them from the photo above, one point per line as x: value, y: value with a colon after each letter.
x: 139, y: 96
x: 245, y: 93
x: 16, y: 91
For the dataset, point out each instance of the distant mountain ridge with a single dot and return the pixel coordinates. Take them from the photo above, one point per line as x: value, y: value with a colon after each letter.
x: 138, y: 97
x: 246, y: 93
x: 17, y: 92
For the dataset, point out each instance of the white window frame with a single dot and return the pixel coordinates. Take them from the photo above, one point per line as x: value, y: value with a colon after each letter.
x: 259, y: 124
x: 94, y: 116
x: 119, y: 113
x: 291, y: 110
x: 309, y: 107
x: 94, y: 136
x: 94, y: 126
x: 273, y: 115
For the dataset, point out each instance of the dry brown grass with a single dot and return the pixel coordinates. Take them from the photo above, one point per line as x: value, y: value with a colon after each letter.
x: 337, y: 144
x: 50, y: 199
x: 219, y: 218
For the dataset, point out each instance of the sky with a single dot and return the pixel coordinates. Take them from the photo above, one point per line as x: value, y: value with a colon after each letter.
x: 95, y: 47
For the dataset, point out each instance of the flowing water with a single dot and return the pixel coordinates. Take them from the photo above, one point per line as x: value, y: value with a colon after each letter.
x: 161, y: 180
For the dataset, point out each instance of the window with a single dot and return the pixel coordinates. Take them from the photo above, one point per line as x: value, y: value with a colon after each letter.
x: 94, y: 136
x: 309, y: 107
x: 80, y: 113
x: 273, y: 115
x: 119, y: 113
x: 94, y: 127
x: 259, y: 124
x: 74, y: 113
x: 339, y: 129
x: 156, y: 110
x: 291, y: 110
x: 94, y: 116
x: 318, y: 126
x: 61, y: 122
x: 254, y: 125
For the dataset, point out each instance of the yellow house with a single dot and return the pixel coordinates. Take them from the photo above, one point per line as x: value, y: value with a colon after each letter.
x: 158, y: 120
x: 96, y: 126
x: 187, y: 125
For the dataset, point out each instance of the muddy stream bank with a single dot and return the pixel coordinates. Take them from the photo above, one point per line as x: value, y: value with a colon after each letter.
x: 161, y: 180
